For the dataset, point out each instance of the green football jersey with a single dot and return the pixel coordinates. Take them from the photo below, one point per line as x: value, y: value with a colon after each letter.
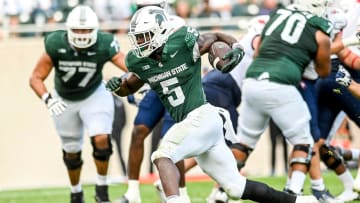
x: 177, y: 77
x: 79, y: 73
x: 288, y: 45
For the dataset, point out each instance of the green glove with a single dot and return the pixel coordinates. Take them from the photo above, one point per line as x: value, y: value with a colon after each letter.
x: 113, y: 84
x: 236, y: 54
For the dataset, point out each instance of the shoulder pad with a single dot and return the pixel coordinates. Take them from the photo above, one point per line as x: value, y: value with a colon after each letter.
x: 53, y: 40
x: 321, y: 24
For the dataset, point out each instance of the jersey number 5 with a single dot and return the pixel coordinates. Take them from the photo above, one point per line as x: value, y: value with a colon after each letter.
x: 176, y: 95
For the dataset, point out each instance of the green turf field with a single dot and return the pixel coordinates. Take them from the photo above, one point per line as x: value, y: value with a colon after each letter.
x: 197, y: 191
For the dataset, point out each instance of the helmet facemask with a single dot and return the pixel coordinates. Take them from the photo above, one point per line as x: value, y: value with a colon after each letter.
x: 82, y: 40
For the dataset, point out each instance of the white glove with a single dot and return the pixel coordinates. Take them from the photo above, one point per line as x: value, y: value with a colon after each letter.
x: 55, y: 105
x: 343, y: 77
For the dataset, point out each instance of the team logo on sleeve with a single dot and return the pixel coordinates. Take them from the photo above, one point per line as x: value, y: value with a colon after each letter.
x: 146, y: 67
x: 62, y: 51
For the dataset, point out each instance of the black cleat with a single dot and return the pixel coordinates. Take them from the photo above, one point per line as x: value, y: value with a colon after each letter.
x: 290, y: 192
x: 101, y: 194
x: 77, y: 197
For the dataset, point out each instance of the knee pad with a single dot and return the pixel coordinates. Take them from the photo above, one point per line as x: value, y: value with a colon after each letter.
x: 73, y: 162
x: 102, y: 154
x: 330, y: 156
x: 242, y: 148
x: 302, y: 160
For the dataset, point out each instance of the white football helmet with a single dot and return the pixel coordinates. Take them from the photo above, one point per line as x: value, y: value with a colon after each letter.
x: 316, y: 7
x: 82, y: 17
x: 149, y: 29
x: 143, y: 3
x: 337, y: 17
x: 256, y: 24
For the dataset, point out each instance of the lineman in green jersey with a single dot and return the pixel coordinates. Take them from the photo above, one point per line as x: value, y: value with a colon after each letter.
x: 290, y: 40
x: 80, y: 99
x: 169, y: 61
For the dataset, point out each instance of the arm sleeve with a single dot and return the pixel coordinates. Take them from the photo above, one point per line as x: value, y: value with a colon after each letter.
x: 114, y: 47
x: 191, y: 37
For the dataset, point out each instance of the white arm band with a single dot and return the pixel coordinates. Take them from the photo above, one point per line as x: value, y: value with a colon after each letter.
x: 45, y: 96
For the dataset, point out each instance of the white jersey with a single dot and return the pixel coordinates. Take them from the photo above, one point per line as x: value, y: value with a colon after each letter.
x: 238, y: 73
x: 338, y: 20
x: 353, y: 25
x: 310, y: 72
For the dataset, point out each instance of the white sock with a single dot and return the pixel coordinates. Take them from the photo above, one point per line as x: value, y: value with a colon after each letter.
x: 358, y: 175
x: 183, y: 191
x: 133, y: 188
x: 173, y: 199
x: 101, y: 180
x: 318, y: 184
x: 355, y: 153
x: 347, y: 180
x: 297, y: 181
x: 287, y: 184
x: 212, y: 193
x: 76, y: 188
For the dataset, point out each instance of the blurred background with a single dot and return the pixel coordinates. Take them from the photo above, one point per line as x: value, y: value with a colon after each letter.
x: 29, y: 18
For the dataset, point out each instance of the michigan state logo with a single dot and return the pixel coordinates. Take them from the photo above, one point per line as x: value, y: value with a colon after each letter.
x: 159, y: 16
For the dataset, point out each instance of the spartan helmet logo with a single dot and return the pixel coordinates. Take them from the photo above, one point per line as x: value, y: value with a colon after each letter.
x: 159, y: 16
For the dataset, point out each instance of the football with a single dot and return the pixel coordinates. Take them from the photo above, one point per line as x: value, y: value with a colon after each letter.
x: 217, y: 51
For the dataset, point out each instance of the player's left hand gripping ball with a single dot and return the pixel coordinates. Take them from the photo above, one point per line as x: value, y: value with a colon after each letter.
x: 113, y: 84
x: 236, y: 54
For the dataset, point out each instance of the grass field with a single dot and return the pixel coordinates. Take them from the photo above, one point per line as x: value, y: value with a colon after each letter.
x: 197, y: 191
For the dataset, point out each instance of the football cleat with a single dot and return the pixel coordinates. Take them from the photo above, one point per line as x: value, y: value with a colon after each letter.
x: 160, y: 191
x: 218, y: 196
x: 324, y: 196
x: 125, y: 199
x: 101, y: 194
x: 77, y: 197
x: 347, y: 196
x: 356, y: 186
x: 287, y: 190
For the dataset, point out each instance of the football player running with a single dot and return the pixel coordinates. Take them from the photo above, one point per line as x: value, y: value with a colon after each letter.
x: 150, y: 112
x: 80, y: 100
x: 199, y: 128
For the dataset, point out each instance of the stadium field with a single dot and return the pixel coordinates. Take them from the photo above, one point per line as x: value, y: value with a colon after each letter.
x: 198, y: 191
